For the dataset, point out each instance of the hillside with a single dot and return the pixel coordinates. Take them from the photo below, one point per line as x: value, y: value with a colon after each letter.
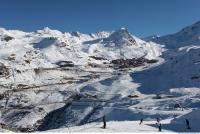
x: 46, y: 70
x: 69, y: 81
x: 189, y: 35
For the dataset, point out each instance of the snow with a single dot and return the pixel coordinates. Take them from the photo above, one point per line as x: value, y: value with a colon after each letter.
x: 74, y: 99
x: 113, y: 126
x: 168, y: 125
x: 45, y: 47
x: 41, y: 49
x: 181, y: 66
x: 186, y: 36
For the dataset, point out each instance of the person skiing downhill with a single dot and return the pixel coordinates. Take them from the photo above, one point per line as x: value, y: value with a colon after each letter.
x: 158, y: 120
x: 159, y: 124
x: 104, y: 122
x: 187, y: 124
x: 141, y: 121
x: 159, y: 127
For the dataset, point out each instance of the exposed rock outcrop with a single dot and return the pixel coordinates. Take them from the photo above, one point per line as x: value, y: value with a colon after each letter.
x: 134, y: 62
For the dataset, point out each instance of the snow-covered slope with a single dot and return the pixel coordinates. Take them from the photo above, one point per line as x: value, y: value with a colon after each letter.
x: 44, y: 48
x: 189, y: 35
x: 168, y: 126
x: 121, y: 44
x: 61, y: 80
x: 45, y: 70
x: 168, y: 90
x: 180, y: 70
x: 50, y: 46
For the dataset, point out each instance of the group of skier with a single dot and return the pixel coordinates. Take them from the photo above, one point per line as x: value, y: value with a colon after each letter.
x: 158, y: 123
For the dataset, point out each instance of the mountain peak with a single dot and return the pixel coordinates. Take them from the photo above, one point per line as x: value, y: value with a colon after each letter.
x: 45, y: 30
x: 123, y: 28
x: 75, y: 33
x: 189, y: 35
x: 193, y: 27
x: 48, y: 31
x: 120, y: 37
x: 152, y: 37
x: 122, y: 31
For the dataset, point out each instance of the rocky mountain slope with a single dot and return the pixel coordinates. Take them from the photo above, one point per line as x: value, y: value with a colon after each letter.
x: 189, y: 35
x: 168, y: 90
x: 45, y: 71
x: 61, y: 80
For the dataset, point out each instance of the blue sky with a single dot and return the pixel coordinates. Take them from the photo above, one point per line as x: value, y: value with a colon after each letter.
x: 141, y: 17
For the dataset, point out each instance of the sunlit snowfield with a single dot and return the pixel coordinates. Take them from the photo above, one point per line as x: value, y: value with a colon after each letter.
x: 66, y: 82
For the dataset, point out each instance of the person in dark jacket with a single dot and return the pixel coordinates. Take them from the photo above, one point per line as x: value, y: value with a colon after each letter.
x: 159, y: 127
x: 187, y: 124
x: 141, y: 121
x: 104, y: 122
x: 158, y: 120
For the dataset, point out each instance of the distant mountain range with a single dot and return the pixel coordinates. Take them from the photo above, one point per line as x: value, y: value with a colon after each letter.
x: 189, y: 35
x: 51, y: 79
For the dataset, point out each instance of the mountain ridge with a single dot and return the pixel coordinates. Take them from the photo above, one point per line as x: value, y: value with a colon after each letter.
x: 189, y: 35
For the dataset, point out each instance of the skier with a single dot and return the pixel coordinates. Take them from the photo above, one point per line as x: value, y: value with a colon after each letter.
x: 141, y: 120
x: 158, y: 124
x: 159, y: 127
x: 158, y: 120
x: 187, y: 124
x: 174, y: 116
x: 104, y: 122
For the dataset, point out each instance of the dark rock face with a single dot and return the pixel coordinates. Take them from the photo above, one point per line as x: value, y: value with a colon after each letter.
x: 77, y: 34
x: 133, y: 96
x: 8, y: 38
x: 4, y: 71
x: 56, y: 118
x: 129, y: 63
x: 151, y: 61
x: 65, y: 64
x: 194, y: 77
x: 98, y: 58
x: 17, y: 106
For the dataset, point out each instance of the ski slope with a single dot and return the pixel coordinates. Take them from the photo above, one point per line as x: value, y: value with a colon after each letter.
x: 38, y: 94
x: 168, y: 125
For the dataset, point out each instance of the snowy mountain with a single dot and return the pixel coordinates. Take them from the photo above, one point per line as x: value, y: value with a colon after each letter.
x: 69, y: 81
x: 169, y: 90
x: 45, y: 48
x: 189, y: 35
x: 52, y: 45
x: 179, y: 71
x: 46, y: 70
